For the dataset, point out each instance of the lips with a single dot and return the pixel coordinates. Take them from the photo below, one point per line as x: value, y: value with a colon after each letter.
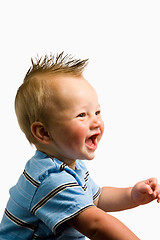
x: 91, y: 142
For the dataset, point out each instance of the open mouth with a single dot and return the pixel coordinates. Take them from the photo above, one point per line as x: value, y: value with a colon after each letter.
x: 91, y: 142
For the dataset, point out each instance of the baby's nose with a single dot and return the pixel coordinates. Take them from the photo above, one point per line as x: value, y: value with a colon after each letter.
x: 96, y: 122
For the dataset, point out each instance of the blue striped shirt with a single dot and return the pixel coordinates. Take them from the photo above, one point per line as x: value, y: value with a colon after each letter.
x: 47, y: 194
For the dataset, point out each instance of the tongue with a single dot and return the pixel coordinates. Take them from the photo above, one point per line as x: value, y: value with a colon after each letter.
x: 89, y: 142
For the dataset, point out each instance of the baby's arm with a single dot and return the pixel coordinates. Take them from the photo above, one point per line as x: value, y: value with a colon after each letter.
x: 98, y: 225
x: 117, y: 199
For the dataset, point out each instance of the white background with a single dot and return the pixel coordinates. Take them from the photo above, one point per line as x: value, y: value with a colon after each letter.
x: 122, y: 40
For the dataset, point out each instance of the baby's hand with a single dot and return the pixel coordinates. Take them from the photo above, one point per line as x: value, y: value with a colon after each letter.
x: 146, y: 191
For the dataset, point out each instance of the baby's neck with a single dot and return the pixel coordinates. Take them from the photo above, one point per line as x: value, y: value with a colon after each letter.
x: 69, y: 162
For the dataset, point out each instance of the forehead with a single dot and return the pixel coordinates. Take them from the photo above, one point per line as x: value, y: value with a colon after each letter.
x: 70, y: 94
x: 68, y: 87
x: 62, y: 82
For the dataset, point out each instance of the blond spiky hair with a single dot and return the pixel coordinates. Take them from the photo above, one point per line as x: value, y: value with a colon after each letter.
x: 59, y: 63
x: 33, y: 96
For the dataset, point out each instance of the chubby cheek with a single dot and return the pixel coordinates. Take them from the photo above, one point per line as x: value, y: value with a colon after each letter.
x: 78, y: 134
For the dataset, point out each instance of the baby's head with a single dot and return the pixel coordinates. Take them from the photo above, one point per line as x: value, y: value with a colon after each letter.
x: 57, y: 107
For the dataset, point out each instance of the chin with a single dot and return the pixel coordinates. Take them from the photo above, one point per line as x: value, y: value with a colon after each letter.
x: 91, y: 157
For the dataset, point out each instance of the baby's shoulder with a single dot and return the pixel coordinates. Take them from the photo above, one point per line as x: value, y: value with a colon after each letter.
x: 40, y: 166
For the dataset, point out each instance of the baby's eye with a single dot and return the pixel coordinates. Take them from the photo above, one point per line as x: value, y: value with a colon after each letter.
x: 82, y: 115
x: 98, y: 112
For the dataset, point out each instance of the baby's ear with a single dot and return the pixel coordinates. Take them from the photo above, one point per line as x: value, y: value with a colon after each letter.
x: 40, y: 132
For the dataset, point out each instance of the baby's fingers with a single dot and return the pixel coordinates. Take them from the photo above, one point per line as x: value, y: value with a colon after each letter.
x: 157, y: 192
x: 148, y: 189
x: 158, y: 198
x: 152, y: 182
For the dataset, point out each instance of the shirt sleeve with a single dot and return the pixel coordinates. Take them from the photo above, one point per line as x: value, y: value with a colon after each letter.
x: 94, y: 188
x: 59, y: 198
